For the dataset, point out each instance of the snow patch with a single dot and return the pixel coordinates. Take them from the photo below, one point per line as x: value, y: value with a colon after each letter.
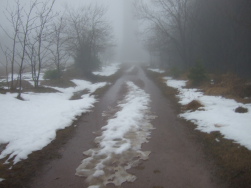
x: 217, y: 114
x: 30, y: 125
x: 108, y: 70
x: 157, y: 70
x: 25, y: 76
x: 119, y: 146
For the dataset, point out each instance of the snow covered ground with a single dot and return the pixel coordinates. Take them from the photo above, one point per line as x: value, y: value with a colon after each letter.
x: 25, y: 76
x: 108, y: 70
x: 30, y: 125
x: 218, y: 114
x: 119, y: 146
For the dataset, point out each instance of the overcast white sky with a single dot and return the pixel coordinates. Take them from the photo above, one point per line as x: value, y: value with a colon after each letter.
x: 115, y: 9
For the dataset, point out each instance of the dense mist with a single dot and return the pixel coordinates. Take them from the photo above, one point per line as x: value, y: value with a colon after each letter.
x: 132, y: 49
x: 176, y: 34
x: 126, y: 43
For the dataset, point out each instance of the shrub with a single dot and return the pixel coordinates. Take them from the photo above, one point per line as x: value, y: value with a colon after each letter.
x: 175, y: 72
x: 197, y: 74
x: 52, y: 74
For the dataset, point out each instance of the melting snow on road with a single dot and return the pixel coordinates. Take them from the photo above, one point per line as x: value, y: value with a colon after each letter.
x: 218, y: 113
x: 108, y: 70
x: 29, y: 125
x: 119, y: 146
x: 157, y: 70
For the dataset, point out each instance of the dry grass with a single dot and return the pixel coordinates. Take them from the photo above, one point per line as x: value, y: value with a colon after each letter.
x: 193, y: 105
x: 231, y: 161
x: 229, y: 86
x: 241, y: 109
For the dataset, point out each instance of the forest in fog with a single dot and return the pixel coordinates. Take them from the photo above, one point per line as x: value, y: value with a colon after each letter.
x: 178, y: 35
x: 213, y: 33
x: 40, y: 37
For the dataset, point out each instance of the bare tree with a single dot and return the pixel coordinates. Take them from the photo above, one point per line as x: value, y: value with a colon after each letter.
x: 32, y: 57
x: 27, y: 26
x: 14, y: 18
x: 45, y: 16
x: 5, y: 63
x: 29, y: 39
x: 59, y: 41
x: 89, y: 34
x: 169, y: 18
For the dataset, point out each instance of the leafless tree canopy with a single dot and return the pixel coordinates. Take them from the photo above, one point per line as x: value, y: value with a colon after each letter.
x: 42, y: 38
x: 89, y: 34
x: 214, y: 33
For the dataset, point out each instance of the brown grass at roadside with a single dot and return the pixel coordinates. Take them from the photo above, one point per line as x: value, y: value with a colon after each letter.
x: 193, y: 105
x: 231, y: 161
x: 230, y: 86
x: 227, y: 85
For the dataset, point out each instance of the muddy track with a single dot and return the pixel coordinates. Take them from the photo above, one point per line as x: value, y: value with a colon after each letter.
x: 176, y: 159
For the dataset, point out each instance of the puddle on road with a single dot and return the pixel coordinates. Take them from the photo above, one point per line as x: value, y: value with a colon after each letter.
x: 119, y: 145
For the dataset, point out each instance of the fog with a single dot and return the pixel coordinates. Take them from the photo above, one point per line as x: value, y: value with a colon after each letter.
x: 125, y: 27
x: 131, y: 47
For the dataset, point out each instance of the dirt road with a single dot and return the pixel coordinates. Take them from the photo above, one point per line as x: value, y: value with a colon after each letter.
x: 176, y: 160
